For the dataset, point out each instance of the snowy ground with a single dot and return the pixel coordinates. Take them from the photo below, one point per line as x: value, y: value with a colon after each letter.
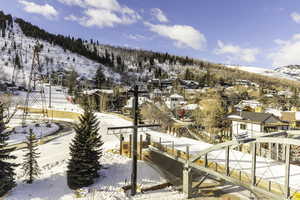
x: 267, y: 169
x: 19, y: 133
x: 52, y: 183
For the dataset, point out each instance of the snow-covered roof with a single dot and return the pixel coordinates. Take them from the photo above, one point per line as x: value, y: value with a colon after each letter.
x: 190, y: 107
x: 176, y: 96
x: 273, y: 111
x: 90, y: 92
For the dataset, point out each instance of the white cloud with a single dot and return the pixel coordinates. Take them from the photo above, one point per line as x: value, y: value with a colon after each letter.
x: 183, y: 35
x: 71, y: 18
x: 72, y: 2
x: 296, y: 17
x: 46, y: 10
x: 287, y: 52
x: 136, y: 37
x: 159, y: 15
x: 236, y: 53
x: 100, y: 18
x: 102, y: 13
x: 112, y: 5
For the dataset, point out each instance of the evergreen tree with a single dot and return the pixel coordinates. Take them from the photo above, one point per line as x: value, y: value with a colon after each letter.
x: 30, y: 165
x: 85, y: 151
x: 7, y: 181
x: 99, y: 77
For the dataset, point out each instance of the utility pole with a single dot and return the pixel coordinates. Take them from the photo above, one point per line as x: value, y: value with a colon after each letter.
x: 50, y: 91
x: 134, y: 144
x: 135, y: 127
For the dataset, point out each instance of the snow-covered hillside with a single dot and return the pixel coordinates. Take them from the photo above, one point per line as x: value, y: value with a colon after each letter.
x: 288, y: 72
x: 52, y: 57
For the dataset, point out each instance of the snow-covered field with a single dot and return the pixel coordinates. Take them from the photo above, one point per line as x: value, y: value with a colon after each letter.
x: 19, y: 133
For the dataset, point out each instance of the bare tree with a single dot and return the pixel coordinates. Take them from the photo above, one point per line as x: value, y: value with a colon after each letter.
x: 10, y: 106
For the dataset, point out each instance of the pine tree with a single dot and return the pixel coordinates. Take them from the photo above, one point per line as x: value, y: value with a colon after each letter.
x: 85, y: 151
x: 30, y: 165
x: 99, y: 77
x: 7, y: 181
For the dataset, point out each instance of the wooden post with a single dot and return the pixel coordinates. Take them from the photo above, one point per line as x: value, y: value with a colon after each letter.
x: 148, y: 139
x: 287, y: 171
x: 253, y: 168
x: 121, y: 144
x: 187, y: 181
x: 141, y: 148
x: 277, y: 151
x: 205, y: 160
x: 187, y: 151
x: 283, y: 147
x: 227, y: 161
x: 129, y: 146
x: 270, y: 186
x: 173, y: 147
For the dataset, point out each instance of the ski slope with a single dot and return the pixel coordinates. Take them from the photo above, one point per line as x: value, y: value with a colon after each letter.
x: 52, y: 58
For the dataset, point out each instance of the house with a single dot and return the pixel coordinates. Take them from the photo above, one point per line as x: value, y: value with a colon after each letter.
x: 174, y: 101
x: 251, y: 124
x: 248, y: 105
x: 157, y: 93
x: 291, y: 117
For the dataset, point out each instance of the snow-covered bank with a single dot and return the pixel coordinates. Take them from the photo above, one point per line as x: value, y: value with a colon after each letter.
x: 20, y: 133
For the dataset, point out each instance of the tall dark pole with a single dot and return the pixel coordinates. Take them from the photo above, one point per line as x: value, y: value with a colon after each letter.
x: 134, y: 142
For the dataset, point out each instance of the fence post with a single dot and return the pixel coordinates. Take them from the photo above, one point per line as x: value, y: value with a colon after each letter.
x: 187, y: 181
x: 173, y: 147
x: 227, y: 161
x: 187, y: 151
x: 205, y: 160
x: 253, y: 168
x: 287, y: 171
x: 121, y: 144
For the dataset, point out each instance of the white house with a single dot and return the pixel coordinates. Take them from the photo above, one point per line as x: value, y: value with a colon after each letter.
x: 251, y: 124
x: 141, y: 100
x: 174, y: 101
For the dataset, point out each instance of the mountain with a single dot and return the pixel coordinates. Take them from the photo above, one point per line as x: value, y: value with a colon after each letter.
x: 291, y: 72
x: 119, y: 65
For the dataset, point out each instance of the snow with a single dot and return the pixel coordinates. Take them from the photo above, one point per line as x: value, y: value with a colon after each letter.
x: 61, y: 59
x: 267, y: 169
x: 20, y: 133
x: 190, y: 107
x: 281, y: 72
x: 116, y: 173
x: 273, y: 111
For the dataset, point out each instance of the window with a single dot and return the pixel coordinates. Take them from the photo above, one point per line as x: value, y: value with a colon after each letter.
x: 243, y: 126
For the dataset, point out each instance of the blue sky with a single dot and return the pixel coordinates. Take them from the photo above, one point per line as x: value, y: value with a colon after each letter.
x: 261, y: 33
